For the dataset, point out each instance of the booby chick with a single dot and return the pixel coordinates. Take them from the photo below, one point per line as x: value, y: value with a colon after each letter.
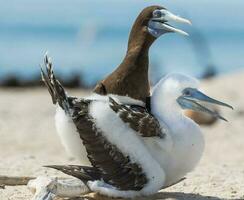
x: 130, y: 80
x: 132, y: 152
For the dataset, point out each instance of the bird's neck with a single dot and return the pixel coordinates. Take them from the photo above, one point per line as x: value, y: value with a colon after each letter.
x: 136, y: 60
x: 166, y: 109
x: 133, y: 71
x: 131, y: 77
x: 173, y: 117
x: 140, y: 39
x: 167, y: 112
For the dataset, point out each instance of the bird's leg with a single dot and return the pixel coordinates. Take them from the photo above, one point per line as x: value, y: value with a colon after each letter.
x: 47, y: 188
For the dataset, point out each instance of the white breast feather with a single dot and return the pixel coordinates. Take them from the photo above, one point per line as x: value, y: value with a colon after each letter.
x: 187, y: 147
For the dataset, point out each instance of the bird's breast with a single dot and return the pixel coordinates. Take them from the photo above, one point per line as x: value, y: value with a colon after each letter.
x: 178, y: 153
x: 188, y: 146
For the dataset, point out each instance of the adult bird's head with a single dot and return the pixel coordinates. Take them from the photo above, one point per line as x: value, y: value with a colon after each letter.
x: 178, y: 91
x: 153, y: 22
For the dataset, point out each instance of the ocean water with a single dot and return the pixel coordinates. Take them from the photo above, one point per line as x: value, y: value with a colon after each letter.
x: 90, y: 36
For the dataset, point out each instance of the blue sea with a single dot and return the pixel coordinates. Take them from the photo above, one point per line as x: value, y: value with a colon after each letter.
x: 90, y: 36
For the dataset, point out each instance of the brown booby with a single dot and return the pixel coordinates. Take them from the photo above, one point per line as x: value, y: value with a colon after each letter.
x: 131, y: 76
x: 132, y: 152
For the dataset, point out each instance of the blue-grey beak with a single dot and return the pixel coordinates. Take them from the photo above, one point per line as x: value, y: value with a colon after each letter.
x: 159, y: 24
x: 191, y: 99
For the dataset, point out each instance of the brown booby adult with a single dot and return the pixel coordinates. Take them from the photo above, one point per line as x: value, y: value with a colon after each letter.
x: 133, y: 153
x: 131, y: 76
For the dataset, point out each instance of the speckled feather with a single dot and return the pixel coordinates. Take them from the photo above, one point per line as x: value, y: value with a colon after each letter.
x: 138, y: 118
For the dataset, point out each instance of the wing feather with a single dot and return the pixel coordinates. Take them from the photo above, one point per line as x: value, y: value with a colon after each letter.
x: 114, y: 167
x: 138, y: 118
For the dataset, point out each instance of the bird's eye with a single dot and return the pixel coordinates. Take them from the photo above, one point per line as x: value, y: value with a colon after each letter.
x: 187, y: 92
x: 157, y: 13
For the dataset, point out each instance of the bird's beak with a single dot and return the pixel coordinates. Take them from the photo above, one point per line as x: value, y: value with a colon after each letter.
x: 193, y: 101
x: 166, y: 17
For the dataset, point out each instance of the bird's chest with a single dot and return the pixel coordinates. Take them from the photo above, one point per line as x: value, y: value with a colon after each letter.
x: 187, y: 149
x: 178, y: 153
x: 187, y: 146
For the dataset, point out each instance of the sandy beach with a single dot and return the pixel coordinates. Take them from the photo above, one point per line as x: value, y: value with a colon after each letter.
x: 28, y: 140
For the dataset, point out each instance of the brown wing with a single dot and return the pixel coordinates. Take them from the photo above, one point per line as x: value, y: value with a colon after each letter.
x: 115, y: 168
x: 139, y: 119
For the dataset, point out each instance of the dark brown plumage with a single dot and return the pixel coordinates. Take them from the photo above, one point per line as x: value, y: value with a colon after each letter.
x: 131, y: 76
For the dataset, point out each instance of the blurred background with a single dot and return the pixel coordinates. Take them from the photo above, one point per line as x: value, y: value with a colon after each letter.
x: 87, y: 39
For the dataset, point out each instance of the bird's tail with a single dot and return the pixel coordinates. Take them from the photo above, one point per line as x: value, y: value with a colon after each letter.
x: 84, y: 173
x: 54, y: 87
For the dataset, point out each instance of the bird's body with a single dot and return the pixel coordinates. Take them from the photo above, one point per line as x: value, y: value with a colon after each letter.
x: 131, y: 152
x: 177, y: 153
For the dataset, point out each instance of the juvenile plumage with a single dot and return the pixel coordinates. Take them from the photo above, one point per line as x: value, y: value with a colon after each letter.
x: 133, y: 152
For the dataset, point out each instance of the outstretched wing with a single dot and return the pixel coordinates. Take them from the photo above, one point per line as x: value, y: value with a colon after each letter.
x: 139, y: 119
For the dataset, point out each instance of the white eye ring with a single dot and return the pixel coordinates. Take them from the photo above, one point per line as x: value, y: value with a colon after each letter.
x: 157, y: 13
